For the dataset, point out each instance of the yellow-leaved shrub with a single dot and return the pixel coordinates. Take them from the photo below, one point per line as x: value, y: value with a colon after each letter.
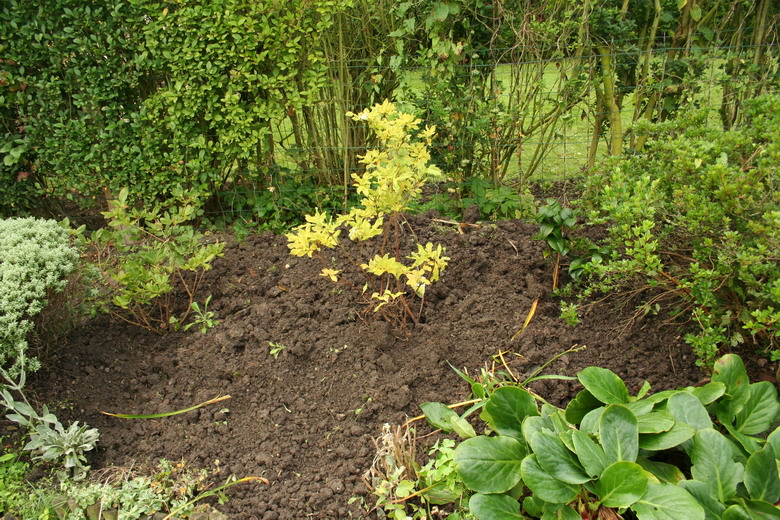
x: 395, y: 173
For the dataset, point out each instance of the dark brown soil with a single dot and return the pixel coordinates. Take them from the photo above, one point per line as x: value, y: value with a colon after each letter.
x: 305, y: 420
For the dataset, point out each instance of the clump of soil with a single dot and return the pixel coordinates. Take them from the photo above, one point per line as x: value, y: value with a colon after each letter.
x: 305, y: 420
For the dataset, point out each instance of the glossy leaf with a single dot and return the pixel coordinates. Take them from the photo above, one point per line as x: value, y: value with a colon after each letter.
x: 655, y: 422
x: 679, y: 433
x: 760, y: 410
x: 761, y: 478
x: 604, y: 384
x: 545, y: 486
x: 508, y: 407
x: 619, y: 433
x: 713, y: 464
x: 761, y: 510
x: 580, y: 406
x: 438, y: 415
x: 667, y: 502
x: 556, y: 459
x: 590, y: 423
x: 489, y: 464
x: 774, y: 440
x: 622, y: 484
x: 462, y: 427
x: 560, y: 512
x: 730, y: 371
x: 688, y: 409
x: 494, y: 507
x: 666, y: 473
x: 713, y: 509
x: 708, y: 393
x: 591, y: 454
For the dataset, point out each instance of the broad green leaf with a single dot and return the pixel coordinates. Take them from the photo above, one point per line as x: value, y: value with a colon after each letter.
x: 760, y: 409
x: 761, y: 510
x: 507, y: 408
x: 761, y: 478
x: 708, y: 393
x: 559, y: 512
x: 494, y: 507
x: 679, y: 433
x: 580, y: 406
x: 703, y: 494
x: 533, y: 505
x: 556, y: 459
x: 619, y: 433
x: 590, y: 423
x: 774, y: 440
x: 667, y: 502
x: 604, y: 384
x: 489, y: 464
x: 655, y: 422
x: 749, y: 444
x: 545, y: 486
x: 566, y: 438
x: 534, y: 424
x: 462, y: 427
x: 736, y: 512
x: 661, y: 396
x: 688, y: 409
x: 591, y: 455
x: 730, y: 371
x: 643, y: 390
x: 438, y: 415
x: 642, y: 407
x: 668, y: 473
x: 622, y: 484
x: 713, y: 464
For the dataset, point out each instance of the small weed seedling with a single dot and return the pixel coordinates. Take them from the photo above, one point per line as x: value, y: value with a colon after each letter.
x: 570, y: 314
x: 203, y: 318
x: 275, y: 349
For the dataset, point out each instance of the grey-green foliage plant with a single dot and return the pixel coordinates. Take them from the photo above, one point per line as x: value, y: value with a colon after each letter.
x: 50, y: 441
x: 708, y: 452
x: 36, y: 258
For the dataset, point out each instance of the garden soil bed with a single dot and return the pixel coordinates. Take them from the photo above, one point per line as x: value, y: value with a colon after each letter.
x: 305, y: 420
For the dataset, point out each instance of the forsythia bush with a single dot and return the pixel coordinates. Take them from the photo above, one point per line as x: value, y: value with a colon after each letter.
x: 35, y: 261
x: 394, y: 176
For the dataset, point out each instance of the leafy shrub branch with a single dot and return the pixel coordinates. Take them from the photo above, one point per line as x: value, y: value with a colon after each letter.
x: 695, y: 221
x: 394, y: 176
x: 148, y: 258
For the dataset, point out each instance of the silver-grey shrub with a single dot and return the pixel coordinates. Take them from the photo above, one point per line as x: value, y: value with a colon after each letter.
x: 36, y: 259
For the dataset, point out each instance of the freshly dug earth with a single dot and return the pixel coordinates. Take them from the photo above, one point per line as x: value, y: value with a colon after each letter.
x: 305, y: 419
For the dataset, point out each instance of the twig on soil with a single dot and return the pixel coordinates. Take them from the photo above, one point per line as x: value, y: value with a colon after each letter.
x: 166, y: 414
x: 528, y: 319
x: 503, y: 362
x: 459, y: 225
